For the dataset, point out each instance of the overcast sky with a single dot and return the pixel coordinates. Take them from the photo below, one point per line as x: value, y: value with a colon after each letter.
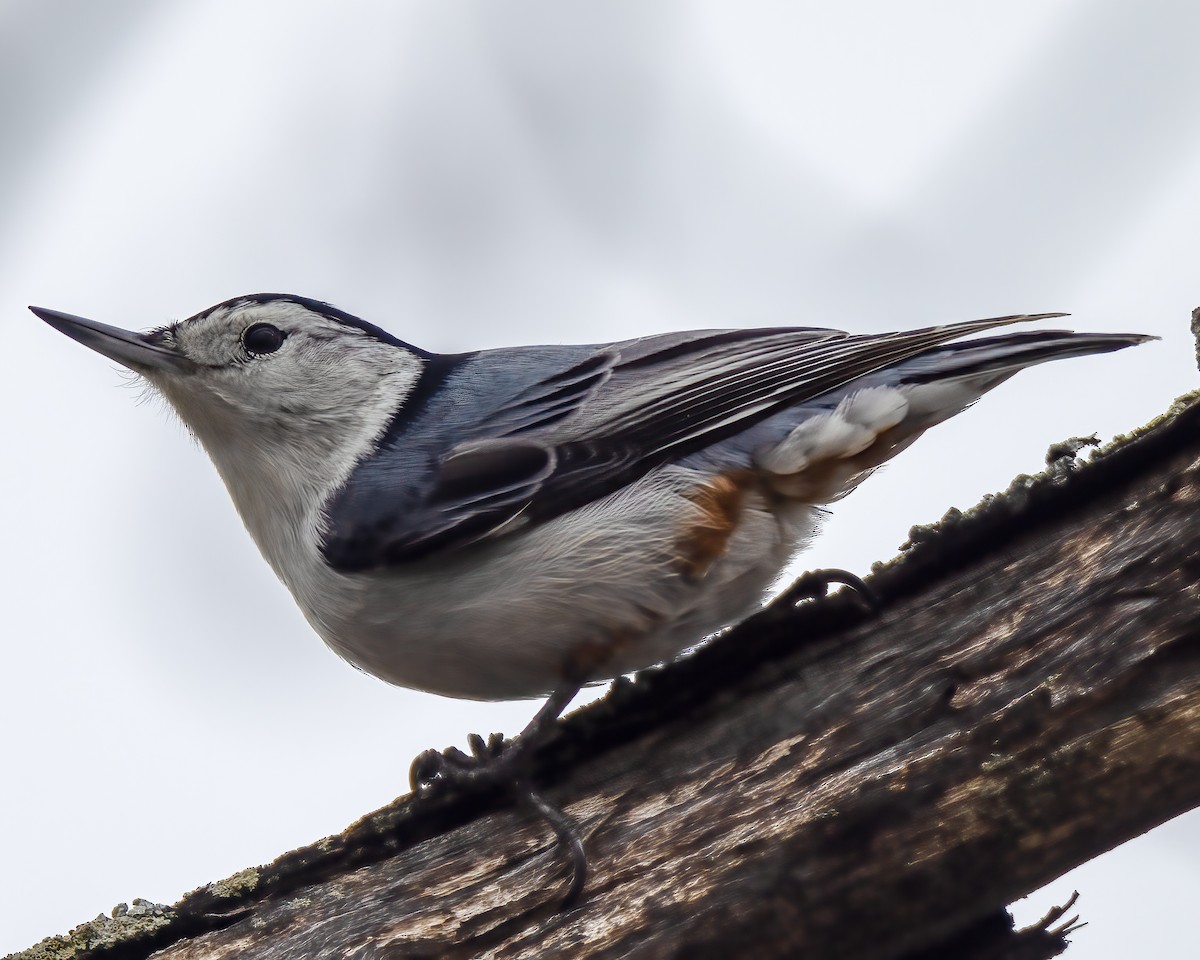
x: 472, y: 174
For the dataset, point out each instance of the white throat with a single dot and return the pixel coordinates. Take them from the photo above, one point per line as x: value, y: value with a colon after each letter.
x: 280, y: 469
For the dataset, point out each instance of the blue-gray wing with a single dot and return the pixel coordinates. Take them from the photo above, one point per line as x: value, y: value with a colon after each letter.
x: 492, y: 442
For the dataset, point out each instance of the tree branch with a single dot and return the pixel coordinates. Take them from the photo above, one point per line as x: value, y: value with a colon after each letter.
x: 815, y: 782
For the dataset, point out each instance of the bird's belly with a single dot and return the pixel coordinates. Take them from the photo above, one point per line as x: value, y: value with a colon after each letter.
x: 602, y: 591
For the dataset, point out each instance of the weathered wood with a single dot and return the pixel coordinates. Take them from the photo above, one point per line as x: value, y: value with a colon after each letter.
x: 816, y: 783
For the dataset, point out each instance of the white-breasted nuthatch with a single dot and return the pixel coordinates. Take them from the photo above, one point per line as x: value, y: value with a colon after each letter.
x: 516, y: 522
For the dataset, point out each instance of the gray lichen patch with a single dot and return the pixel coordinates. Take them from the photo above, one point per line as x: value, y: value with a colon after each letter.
x: 1196, y: 332
x: 241, y: 883
x: 128, y: 922
x: 1068, y: 449
x: 1180, y: 404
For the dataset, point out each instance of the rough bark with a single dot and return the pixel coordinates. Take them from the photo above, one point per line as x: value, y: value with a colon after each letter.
x: 818, y: 782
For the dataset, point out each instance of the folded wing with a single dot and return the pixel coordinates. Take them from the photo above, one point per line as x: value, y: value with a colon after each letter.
x: 581, y: 427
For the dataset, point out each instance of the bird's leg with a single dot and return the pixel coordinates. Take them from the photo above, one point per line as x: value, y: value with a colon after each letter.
x: 815, y: 584
x: 492, y: 762
x: 507, y: 765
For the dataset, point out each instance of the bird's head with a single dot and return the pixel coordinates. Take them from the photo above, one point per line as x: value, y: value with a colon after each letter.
x: 278, y: 389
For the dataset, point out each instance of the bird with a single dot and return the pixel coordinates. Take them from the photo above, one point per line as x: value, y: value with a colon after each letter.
x: 520, y: 522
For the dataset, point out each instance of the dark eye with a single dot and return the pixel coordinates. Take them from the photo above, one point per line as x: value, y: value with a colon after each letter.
x: 263, y: 338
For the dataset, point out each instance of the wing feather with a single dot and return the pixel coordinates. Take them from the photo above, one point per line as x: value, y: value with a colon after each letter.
x: 597, y: 424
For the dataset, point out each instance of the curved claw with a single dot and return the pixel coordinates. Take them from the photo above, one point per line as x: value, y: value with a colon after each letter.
x: 424, y: 771
x: 815, y: 584
x: 567, y: 835
x: 433, y: 771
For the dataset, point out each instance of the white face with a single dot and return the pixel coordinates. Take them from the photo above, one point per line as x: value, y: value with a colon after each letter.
x: 285, y: 395
x: 280, y: 367
x: 284, y: 399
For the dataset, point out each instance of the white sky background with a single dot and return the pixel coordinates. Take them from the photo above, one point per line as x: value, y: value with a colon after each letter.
x: 478, y: 174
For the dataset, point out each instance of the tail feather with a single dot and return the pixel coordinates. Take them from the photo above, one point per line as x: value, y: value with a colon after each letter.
x: 1002, y: 356
x: 850, y: 432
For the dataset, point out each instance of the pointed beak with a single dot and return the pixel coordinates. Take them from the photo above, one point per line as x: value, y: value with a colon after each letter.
x: 140, y: 352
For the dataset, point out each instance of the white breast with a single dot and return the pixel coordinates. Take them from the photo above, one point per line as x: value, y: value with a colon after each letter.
x: 503, y: 621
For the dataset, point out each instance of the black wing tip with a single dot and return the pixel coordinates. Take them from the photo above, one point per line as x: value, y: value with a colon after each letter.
x: 1120, y: 339
x: 1116, y: 341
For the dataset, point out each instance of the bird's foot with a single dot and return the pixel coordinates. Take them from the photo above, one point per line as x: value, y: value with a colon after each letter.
x: 815, y: 584
x: 490, y: 763
x: 506, y: 765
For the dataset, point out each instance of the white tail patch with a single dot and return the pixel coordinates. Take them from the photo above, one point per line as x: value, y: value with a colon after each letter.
x: 843, y: 432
